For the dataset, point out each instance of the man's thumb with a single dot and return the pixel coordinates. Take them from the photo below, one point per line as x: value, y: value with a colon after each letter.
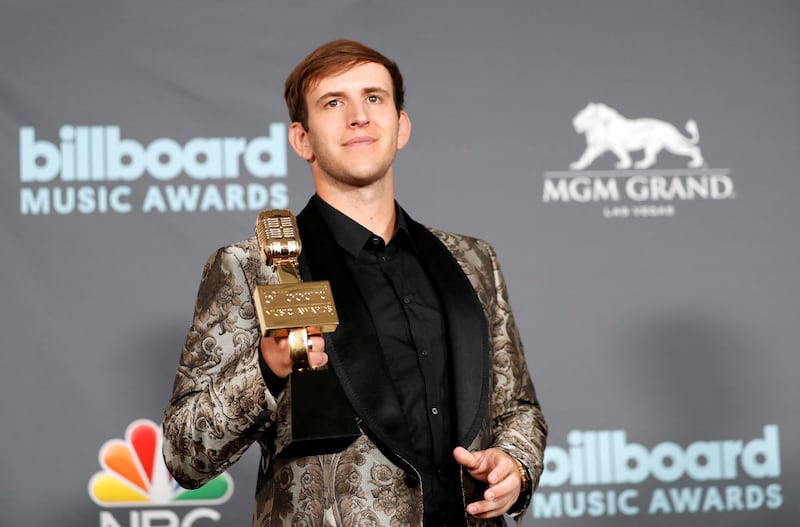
x: 465, y: 458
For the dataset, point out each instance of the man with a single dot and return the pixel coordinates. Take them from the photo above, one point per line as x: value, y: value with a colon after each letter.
x: 426, y: 351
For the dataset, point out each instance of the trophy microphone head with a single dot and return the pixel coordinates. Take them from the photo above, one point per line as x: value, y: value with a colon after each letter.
x: 277, y: 235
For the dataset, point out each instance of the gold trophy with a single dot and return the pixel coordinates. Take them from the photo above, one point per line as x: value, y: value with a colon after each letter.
x: 322, y: 420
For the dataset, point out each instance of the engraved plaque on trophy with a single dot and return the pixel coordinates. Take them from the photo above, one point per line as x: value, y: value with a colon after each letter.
x: 322, y: 420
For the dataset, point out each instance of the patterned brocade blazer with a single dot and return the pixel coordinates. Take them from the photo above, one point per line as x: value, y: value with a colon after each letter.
x: 220, y: 404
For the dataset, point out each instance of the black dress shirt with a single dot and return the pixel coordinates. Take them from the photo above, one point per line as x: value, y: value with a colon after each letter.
x: 410, y: 328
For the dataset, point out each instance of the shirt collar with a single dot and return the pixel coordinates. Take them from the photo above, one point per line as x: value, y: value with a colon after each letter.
x: 351, y: 236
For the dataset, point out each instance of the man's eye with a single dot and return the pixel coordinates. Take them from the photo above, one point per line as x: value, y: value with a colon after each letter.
x: 332, y: 103
x: 373, y: 98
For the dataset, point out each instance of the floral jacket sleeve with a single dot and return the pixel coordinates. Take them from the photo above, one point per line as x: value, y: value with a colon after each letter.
x: 220, y: 403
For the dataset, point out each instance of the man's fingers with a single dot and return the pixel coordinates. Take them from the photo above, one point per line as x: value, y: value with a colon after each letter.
x: 276, y: 353
x: 317, y: 343
x: 496, y: 500
x: 501, y: 472
x: 498, y: 470
x: 489, y: 508
x: 317, y: 358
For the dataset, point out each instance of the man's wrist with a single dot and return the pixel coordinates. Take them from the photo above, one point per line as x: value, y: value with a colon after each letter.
x: 525, y: 480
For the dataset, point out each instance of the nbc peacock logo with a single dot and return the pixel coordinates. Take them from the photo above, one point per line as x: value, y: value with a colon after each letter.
x: 134, y: 474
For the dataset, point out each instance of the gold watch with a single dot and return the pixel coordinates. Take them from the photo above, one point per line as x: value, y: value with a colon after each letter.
x: 525, y: 481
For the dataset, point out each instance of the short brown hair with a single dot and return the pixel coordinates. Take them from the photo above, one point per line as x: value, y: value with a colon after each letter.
x: 330, y: 59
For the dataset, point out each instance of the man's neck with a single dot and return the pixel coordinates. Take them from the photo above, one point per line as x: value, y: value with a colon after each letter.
x: 371, y: 207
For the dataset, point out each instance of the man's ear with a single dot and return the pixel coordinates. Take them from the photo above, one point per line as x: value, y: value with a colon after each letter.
x: 403, y: 129
x: 298, y: 138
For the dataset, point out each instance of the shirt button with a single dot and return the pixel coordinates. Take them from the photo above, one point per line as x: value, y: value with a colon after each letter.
x: 424, y: 353
x: 407, y: 299
x: 375, y: 240
x: 435, y: 411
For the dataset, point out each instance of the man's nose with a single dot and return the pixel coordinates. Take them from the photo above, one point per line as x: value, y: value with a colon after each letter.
x: 358, y: 115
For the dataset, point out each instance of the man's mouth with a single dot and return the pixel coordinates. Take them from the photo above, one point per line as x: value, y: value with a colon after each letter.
x: 360, y: 141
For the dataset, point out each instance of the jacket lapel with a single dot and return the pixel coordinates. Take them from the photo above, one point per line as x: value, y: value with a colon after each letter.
x: 467, y: 333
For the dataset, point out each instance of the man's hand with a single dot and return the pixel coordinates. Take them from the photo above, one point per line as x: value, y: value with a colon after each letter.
x: 499, y: 471
x: 275, y: 351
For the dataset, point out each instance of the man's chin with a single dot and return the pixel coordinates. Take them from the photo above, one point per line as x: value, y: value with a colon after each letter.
x: 361, y: 179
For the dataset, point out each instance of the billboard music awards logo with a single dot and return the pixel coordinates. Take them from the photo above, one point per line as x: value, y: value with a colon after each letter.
x: 634, y: 188
x: 134, y: 476
x: 601, y: 474
x: 95, y: 170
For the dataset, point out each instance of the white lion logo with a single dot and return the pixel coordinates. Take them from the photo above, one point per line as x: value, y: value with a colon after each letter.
x: 607, y: 130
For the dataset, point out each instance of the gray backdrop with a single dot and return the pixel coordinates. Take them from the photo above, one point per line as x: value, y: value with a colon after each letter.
x: 659, y: 305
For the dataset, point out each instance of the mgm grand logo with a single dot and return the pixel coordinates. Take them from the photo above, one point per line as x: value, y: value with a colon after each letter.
x: 634, y: 188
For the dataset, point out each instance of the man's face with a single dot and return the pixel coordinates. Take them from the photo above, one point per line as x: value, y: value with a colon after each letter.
x: 354, y: 129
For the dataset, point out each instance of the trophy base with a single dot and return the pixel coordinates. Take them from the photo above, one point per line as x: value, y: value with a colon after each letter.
x: 322, y: 420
